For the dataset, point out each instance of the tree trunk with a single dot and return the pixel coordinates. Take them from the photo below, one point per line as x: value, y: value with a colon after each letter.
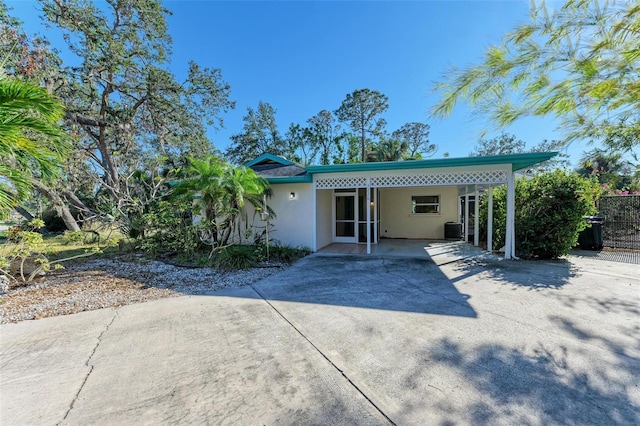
x: 113, y: 176
x: 24, y: 213
x: 210, y: 214
x: 62, y: 209
x: 77, y: 203
x: 226, y: 234
x: 362, y: 142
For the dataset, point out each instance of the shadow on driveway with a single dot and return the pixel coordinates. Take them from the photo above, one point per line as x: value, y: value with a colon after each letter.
x: 466, y: 261
x: 386, y: 283
x: 546, y: 386
x: 529, y: 274
x: 504, y: 344
x: 451, y: 339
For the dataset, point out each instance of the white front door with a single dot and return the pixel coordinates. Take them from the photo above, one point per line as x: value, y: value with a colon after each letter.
x: 344, y: 218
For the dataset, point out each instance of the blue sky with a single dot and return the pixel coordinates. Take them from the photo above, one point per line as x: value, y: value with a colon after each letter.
x: 302, y: 57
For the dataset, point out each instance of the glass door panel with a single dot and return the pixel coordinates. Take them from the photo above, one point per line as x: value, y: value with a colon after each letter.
x: 345, y: 219
x: 362, y: 215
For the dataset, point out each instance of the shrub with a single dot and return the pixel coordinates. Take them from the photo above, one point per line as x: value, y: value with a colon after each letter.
x: 236, y: 257
x: 19, y: 256
x: 14, y: 233
x: 549, y: 213
x: 23, y: 257
x: 167, y: 227
x: 286, y: 254
x: 73, y: 237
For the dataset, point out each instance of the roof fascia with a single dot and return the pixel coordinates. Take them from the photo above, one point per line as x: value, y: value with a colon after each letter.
x: 289, y: 179
x: 270, y: 157
x: 517, y: 162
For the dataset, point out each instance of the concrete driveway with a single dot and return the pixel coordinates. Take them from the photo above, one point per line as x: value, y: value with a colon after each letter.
x: 455, y: 339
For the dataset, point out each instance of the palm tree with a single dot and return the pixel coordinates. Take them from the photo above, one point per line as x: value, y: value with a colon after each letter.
x: 391, y: 150
x: 239, y: 185
x: 221, y: 192
x: 202, y: 185
x: 30, y: 139
x: 609, y: 167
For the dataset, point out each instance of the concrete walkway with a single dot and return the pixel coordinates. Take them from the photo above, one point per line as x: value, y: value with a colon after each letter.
x: 462, y: 339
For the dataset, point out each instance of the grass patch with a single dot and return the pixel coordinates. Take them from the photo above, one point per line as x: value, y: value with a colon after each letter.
x: 27, y: 253
x: 57, y: 247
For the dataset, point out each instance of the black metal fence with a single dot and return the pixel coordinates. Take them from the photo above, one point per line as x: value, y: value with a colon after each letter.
x: 621, y: 228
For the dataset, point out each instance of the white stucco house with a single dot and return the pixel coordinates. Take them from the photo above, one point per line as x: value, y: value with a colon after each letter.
x: 319, y: 205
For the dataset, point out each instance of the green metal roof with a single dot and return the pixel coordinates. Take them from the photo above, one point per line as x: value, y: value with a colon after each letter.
x: 517, y: 161
x: 289, y: 179
x: 269, y: 158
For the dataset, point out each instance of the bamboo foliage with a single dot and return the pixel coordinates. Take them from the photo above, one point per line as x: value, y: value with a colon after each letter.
x: 578, y: 63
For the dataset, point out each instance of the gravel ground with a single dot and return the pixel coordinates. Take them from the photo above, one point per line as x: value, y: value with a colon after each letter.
x: 103, y: 283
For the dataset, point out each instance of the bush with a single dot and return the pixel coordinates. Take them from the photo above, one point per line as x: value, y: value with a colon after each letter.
x: 24, y: 257
x: 249, y: 256
x: 236, y: 257
x: 19, y: 256
x: 549, y: 213
x: 167, y: 227
x: 286, y: 254
x: 73, y: 237
x: 14, y: 233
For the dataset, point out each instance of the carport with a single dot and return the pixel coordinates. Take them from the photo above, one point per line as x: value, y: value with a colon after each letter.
x: 362, y: 203
x: 392, y: 190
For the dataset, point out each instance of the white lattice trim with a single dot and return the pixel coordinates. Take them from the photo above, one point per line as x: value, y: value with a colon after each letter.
x: 341, y: 183
x: 434, y: 179
x: 459, y: 178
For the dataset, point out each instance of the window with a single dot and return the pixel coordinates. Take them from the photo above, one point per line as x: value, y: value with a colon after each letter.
x: 425, y: 204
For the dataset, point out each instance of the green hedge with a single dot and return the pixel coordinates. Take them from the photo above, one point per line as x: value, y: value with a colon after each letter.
x: 549, y: 213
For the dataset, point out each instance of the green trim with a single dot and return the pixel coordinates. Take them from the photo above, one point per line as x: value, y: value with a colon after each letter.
x: 269, y: 157
x: 517, y: 161
x: 289, y: 179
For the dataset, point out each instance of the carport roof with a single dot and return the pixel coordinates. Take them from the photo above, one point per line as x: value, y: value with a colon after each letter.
x: 517, y: 162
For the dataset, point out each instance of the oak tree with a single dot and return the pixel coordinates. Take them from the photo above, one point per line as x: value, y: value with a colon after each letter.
x: 125, y: 110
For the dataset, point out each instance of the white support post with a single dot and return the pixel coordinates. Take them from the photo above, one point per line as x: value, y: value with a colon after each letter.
x: 375, y: 215
x: 314, y: 219
x: 476, y: 218
x: 490, y: 219
x: 466, y: 215
x: 368, y: 207
x: 509, y: 247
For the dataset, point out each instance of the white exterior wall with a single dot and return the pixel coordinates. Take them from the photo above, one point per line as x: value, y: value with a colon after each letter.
x: 396, y: 220
x: 324, y: 217
x: 293, y: 224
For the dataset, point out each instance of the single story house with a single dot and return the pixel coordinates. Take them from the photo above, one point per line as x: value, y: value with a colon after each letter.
x: 319, y: 205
